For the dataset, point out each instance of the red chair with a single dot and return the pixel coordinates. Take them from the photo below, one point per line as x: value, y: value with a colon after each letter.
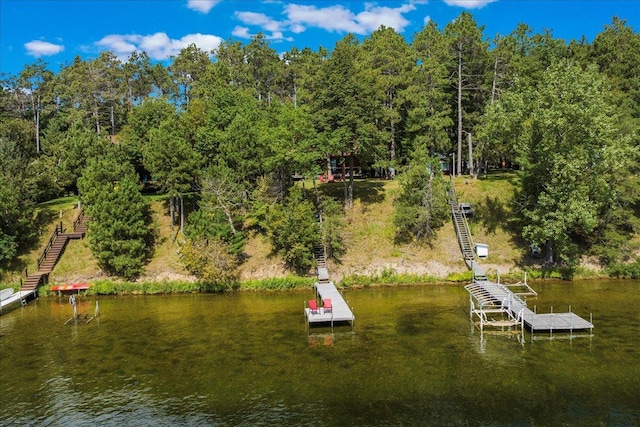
x: 313, y: 307
x: 327, y: 306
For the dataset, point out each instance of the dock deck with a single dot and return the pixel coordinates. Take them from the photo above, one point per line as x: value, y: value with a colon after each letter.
x: 340, y: 311
x: 493, y: 297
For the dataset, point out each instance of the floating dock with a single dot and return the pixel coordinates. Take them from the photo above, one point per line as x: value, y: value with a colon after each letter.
x: 486, y: 298
x: 339, y: 312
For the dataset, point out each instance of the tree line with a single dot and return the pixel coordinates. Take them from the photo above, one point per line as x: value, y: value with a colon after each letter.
x: 230, y: 129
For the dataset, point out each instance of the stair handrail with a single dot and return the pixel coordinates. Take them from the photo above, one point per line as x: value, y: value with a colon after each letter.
x: 453, y: 201
x: 78, y: 220
x: 57, y: 230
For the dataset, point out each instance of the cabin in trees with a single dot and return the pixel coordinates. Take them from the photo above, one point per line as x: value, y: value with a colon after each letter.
x: 341, y: 166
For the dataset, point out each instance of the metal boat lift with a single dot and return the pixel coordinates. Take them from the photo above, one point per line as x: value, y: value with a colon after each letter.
x: 487, y: 298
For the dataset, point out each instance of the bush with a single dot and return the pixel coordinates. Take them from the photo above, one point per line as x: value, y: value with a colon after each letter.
x: 211, y: 261
x: 386, y: 277
x: 466, y: 276
x: 625, y: 270
x: 277, y: 284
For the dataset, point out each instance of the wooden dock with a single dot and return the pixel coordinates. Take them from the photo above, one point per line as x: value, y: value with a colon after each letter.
x: 486, y: 298
x: 339, y: 313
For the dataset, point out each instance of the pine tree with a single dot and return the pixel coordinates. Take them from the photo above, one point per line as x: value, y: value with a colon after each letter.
x: 119, y: 227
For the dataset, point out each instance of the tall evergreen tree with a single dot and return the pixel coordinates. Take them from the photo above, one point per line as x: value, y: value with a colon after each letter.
x: 264, y: 67
x: 299, y: 80
x: 470, y: 51
x: 35, y: 80
x: 18, y: 215
x: 388, y: 63
x: 344, y: 108
x: 119, y: 231
x: 187, y: 68
x: 172, y: 161
x: 430, y: 111
x: 616, y: 51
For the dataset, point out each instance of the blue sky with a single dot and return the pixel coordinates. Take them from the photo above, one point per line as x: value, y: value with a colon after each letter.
x: 58, y: 30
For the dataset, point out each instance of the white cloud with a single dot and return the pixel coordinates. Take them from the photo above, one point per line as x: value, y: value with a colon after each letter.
x: 278, y: 35
x: 203, y: 6
x: 206, y: 42
x: 333, y: 18
x: 274, y: 30
x: 119, y: 45
x: 373, y: 17
x: 469, y: 4
x: 39, y: 48
x: 340, y: 19
x: 159, y: 46
x: 297, y: 28
x: 259, y: 19
x: 241, y: 32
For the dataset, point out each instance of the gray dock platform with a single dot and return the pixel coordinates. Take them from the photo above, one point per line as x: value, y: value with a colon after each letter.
x: 488, y: 297
x: 340, y: 311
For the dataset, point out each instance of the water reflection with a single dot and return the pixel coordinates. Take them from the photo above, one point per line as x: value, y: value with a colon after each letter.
x: 247, y: 359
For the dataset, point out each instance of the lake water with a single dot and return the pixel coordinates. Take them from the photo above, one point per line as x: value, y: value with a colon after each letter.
x: 246, y: 359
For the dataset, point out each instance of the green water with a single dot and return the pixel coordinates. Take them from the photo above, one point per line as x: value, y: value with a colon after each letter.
x: 412, y: 358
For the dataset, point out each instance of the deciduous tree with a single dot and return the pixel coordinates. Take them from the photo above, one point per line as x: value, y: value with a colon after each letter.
x: 573, y: 155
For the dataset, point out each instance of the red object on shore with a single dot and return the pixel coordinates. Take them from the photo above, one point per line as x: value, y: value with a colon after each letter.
x: 72, y: 287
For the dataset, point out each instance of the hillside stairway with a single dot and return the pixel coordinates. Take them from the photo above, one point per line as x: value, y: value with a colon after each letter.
x: 52, y: 251
x: 320, y: 254
x: 463, y: 233
x: 487, y: 298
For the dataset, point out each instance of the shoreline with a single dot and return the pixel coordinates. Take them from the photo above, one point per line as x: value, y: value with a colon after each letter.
x: 105, y: 287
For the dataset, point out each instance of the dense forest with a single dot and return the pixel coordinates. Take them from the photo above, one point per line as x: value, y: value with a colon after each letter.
x: 231, y: 131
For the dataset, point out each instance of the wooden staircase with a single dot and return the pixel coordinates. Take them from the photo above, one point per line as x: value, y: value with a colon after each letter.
x: 52, y: 251
x: 320, y: 255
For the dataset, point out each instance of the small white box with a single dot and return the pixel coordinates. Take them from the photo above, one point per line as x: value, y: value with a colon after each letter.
x: 482, y: 250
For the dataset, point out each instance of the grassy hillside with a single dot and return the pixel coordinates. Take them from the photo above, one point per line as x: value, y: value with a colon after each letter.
x: 371, y: 248
x: 368, y: 236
